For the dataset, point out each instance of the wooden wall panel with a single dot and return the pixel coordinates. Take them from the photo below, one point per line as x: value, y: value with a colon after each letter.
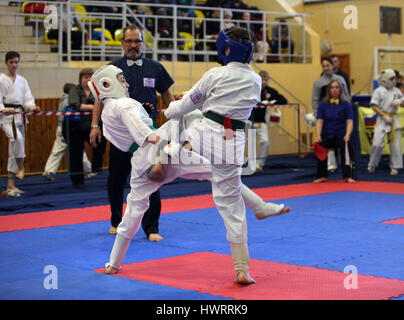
x: 40, y: 135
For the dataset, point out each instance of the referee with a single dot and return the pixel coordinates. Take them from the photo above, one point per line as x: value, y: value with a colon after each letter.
x: 146, y: 77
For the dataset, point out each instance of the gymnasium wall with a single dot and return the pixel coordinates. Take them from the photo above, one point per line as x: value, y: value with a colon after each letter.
x: 357, y: 43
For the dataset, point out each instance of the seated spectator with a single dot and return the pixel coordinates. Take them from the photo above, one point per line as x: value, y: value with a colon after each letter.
x: 76, y: 36
x: 281, y: 36
x: 209, y: 30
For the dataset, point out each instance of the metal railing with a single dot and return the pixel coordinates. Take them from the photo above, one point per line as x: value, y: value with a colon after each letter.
x: 171, y: 32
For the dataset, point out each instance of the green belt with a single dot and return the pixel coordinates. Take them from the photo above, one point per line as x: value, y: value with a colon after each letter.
x: 236, y: 124
x: 135, y: 146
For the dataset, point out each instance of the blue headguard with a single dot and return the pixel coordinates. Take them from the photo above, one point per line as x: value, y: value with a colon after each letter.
x: 239, y: 51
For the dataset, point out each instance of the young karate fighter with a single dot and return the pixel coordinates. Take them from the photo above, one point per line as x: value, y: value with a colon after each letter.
x: 226, y: 96
x: 128, y: 126
x: 15, y: 97
x: 385, y: 101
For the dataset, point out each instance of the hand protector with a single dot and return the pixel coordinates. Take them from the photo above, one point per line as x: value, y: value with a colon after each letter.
x: 387, y: 119
x: 396, y: 103
x: 310, y: 119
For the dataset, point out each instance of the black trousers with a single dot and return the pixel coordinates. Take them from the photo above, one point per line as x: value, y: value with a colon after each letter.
x: 119, y: 170
x: 76, y: 134
x: 338, y: 144
x: 75, y: 36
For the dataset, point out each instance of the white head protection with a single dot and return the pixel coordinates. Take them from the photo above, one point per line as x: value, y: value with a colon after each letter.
x: 384, y: 78
x: 104, y: 84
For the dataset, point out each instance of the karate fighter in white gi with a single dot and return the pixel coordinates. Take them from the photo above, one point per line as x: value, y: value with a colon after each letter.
x: 385, y: 102
x: 127, y: 125
x: 15, y: 97
x: 226, y: 96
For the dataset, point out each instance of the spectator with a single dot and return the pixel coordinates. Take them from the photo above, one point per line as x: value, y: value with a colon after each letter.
x: 319, y: 93
x: 281, y: 37
x: 209, y: 31
x: 259, y: 118
x: 76, y: 132
x: 76, y: 36
x: 336, y: 65
x: 60, y: 146
x: 334, y: 128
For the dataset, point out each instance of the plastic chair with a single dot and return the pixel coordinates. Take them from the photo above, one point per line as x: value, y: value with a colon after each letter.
x: 82, y: 13
x: 189, y: 42
x: 118, y: 35
x: 24, y: 4
x: 199, y: 14
x: 97, y: 33
x: 49, y: 41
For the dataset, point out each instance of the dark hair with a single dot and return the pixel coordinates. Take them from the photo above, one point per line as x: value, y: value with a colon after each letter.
x: 326, y: 59
x: 131, y: 27
x: 240, y: 34
x: 400, y: 85
x: 85, y: 72
x: 11, y: 55
x: 67, y: 87
x: 328, y: 93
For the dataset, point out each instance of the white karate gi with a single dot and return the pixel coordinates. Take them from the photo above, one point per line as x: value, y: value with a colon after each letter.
x: 383, y: 98
x: 18, y: 93
x: 230, y: 91
x: 125, y: 121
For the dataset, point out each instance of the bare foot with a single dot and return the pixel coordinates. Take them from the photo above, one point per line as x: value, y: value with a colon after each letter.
x: 319, y: 180
x: 111, y: 270
x: 244, y: 278
x: 20, y: 175
x: 155, y: 237
x: 156, y: 172
x: 113, y: 230
x: 261, y: 216
x: 350, y: 180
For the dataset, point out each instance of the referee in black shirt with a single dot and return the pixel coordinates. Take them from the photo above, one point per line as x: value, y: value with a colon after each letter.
x: 146, y: 77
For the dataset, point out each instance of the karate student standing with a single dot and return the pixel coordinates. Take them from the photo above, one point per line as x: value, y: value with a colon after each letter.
x: 15, y: 97
x: 226, y: 96
x: 385, y: 102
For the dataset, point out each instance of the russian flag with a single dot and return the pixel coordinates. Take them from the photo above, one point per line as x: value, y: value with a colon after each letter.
x: 370, y: 119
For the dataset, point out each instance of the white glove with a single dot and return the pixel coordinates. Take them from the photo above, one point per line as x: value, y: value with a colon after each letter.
x: 396, y: 103
x: 387, y: 119
x: 310, y: 119
x: 265, y: 102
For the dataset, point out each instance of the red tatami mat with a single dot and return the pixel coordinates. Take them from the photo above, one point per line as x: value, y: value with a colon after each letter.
x: 212, y: 273
x: 101, y: 213
x: 395, y: 221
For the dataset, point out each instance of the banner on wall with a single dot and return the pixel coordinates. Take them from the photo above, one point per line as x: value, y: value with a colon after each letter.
x: 366, y: 126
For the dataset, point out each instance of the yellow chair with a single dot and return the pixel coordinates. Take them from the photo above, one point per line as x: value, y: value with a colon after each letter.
x: 109, y: 40
x: 189, y: 42
x: 49, y: 41
x: 199, y: 14
x: 148, y: 39
x: 82, y: 14
x: 118, y: 35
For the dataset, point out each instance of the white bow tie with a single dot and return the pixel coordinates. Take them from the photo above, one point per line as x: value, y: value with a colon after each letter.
x: 138, y: 62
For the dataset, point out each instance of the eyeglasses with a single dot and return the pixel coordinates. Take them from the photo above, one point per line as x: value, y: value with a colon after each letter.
x: 129, y: 41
